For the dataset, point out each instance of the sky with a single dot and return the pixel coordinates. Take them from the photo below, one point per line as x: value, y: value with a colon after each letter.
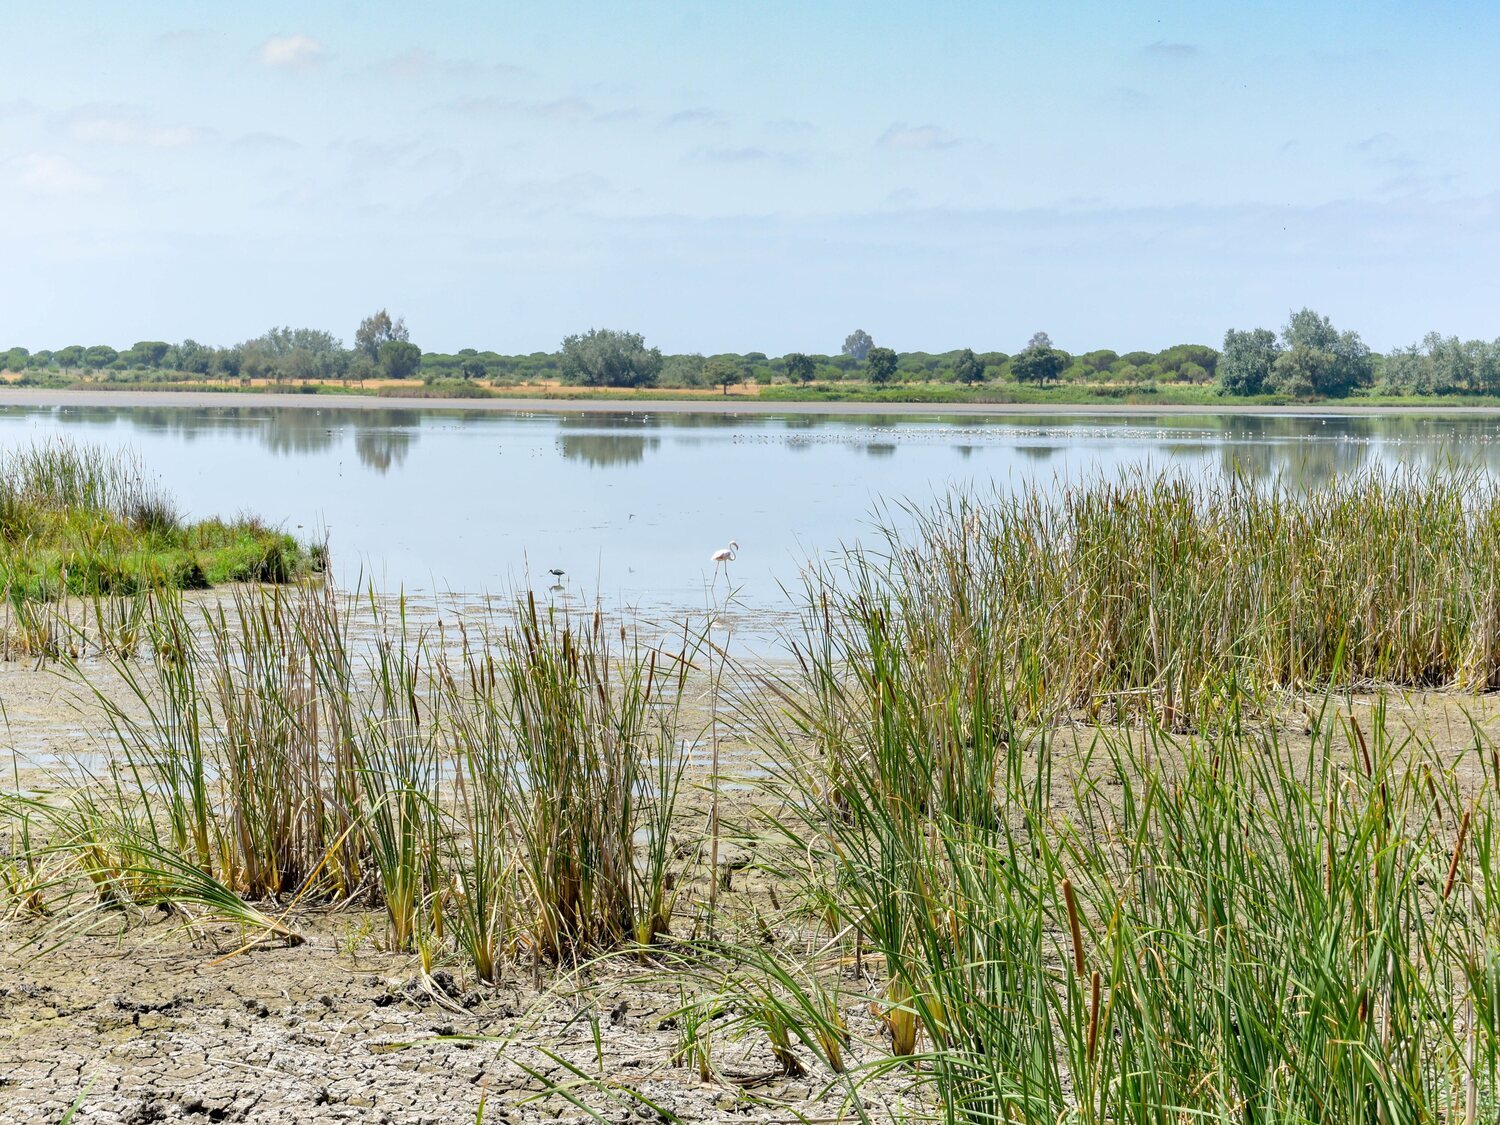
x: 755, y: 176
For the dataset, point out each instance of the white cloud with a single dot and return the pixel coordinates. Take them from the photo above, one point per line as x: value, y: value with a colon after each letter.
x: 48, y: 173
x: 696, y: 115
x: 416, y: 63
x: 750, y: 154
x: 291, y: 52
x: 124, y: 129
x: 183, y: 37
x: 914, y: 138
x: 558, y: 109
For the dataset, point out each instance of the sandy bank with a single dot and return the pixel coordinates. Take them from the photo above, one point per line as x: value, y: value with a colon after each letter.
x: 209, y: 399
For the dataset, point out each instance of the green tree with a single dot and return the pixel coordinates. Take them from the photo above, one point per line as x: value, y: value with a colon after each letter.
x: 1100, y: 361
x: 1039, y: 362
x: 227, y: 362
x: 100, y: 356
x: 70, y: 356
x: 1175, y: 360
x: 882, y: 364
x: 399, y: 359
x: 1402, y: 372
x: 15, y: 359
x: 1298, y: 371
x: 1450, y: 365
x: 377, y: 330
x: 1486, y: 365
x: 602, y: 357
x: 1326, y: 361
x: 967, y: 367
x: 799, y: 367
x: 858, y: 344
x: 193, y: 357
x: 683, y: 371
x: 724, y: 371
x: 150, y: 352
x: 1245, y: 364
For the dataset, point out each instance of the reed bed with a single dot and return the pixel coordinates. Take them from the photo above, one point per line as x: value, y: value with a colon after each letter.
x: 503, y: 792
x: 87, y: 521
x: 1174, y: 595
x: 1186, y: 915
x: 1233, y: 928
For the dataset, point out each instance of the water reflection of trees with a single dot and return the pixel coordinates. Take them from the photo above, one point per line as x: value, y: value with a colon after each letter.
x: 382, y: 438
x: 604, y: 441
x: 380, y: 449
x: 1038, y: 452
x: 1300, y: 450
x: 1309, y: 451
x: 603, y: 451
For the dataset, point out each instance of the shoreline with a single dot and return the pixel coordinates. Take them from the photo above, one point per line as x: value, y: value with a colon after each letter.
x: 199, y: 400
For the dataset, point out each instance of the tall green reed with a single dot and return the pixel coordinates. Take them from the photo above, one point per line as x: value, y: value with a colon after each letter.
x: 508, y: 786
x: 1170, y: 594
x: 1131, y: 923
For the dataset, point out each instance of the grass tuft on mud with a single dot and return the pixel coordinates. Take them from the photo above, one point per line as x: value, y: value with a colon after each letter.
x: 88, y: 521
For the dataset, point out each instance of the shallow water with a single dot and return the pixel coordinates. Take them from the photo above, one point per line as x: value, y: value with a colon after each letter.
x: 631, y: 505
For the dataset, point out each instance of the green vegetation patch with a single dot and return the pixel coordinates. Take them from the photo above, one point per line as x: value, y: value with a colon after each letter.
x: 88, y: 521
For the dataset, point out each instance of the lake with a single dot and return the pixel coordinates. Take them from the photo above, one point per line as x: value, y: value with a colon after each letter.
x: 631, y: 504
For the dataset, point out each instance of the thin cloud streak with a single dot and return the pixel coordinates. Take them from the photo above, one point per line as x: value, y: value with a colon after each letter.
x: 1162, y: 49
x: 51, y: 173
x: 291, y: 52
x: 902, y: 137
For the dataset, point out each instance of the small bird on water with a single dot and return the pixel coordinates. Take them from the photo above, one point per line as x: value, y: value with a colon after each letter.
x: 555, y: 572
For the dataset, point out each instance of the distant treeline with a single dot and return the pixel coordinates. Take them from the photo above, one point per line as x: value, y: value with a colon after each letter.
x: 1308, y: 357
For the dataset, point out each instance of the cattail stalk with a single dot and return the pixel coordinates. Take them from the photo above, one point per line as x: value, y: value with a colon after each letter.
x: 1073, y: 925
x: 1094, y: 988
x: 1458, y: 851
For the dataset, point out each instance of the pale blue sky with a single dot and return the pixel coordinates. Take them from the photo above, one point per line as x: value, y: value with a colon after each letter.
x: 752, y: 176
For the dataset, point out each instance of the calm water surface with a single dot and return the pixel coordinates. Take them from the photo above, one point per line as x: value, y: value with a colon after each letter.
x: 632, y: 505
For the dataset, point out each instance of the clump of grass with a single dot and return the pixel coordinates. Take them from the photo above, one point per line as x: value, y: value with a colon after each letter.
x: 597, y: 760
x: 86, y: 521
x: 506, y: 791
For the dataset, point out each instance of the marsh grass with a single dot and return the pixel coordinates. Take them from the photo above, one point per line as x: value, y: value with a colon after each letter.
x: 1233, y: 928
x: 1182, y: 597
x: 1184, y: 913
x: 503, y: 789
x: 1029, y: 799
x: 85, y: 521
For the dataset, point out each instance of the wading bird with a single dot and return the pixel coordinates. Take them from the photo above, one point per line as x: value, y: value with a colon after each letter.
x: 724, y: 555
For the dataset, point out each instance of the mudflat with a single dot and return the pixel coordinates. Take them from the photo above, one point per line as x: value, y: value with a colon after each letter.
x: 161, y: 1017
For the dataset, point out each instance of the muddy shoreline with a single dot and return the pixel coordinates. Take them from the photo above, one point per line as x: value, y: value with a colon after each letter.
x: 198, y: 400
x: 168, y: 1018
